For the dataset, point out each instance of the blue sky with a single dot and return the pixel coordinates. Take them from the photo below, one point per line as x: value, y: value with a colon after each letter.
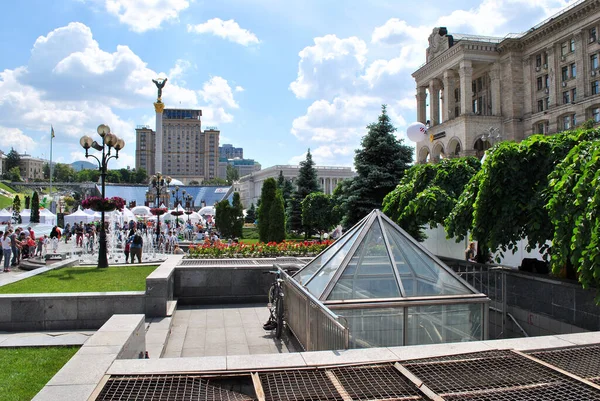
x: 276, y: 77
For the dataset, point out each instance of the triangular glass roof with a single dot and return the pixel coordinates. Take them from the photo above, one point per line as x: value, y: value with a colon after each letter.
x: 376, y: 259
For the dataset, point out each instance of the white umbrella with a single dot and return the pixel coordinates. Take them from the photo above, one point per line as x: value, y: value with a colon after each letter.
x: 128, y: 214
x: 207, y: 210
x: 141, y: 211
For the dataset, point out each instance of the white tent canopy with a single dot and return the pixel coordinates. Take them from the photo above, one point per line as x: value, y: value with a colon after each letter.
x: 79, y: 216
x: 141, y: 211
x: 5, y: 216
x: 46, y: 216
x: 207, y: 210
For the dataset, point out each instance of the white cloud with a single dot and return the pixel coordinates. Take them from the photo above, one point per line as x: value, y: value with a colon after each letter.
x: 16, y: 139
x: 229, y: 30
x: 74, y: 85
x: 330, y: 67
x: 180, y: 67
x: 145, y: 15
x: 239, y: 89
x: 396, y: 31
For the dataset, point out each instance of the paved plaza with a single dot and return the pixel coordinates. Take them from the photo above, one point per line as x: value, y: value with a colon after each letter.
x: 224, y: 330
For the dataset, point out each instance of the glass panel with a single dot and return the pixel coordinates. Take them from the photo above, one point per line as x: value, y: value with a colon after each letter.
x: 433, y: 324
x: 317, y: 284
x: 304, y: 274
x: 420, y: 274
x: 369, y: 273
x: 377, y: 327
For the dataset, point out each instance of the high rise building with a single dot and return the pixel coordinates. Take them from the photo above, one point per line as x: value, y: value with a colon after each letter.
x: 227, y: 151
x: 189, y: 154
x: 483, y: 89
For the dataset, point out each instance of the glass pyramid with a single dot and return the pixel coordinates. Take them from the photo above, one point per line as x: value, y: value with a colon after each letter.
x: 376, y: 259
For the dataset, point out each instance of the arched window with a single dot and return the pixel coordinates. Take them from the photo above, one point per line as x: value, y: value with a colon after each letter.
x: 480, y: 147
x: 424, y: 155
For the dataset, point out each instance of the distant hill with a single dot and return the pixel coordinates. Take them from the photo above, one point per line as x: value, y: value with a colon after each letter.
x: 83, y: 165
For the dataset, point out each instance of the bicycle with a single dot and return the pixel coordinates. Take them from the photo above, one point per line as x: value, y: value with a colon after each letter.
x: 275, y: 305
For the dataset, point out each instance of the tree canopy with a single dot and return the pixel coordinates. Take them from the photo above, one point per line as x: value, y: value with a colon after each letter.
x: 380, y: 164
x: 267, y: 197
x: 318, y: 212
x: 306, y: 183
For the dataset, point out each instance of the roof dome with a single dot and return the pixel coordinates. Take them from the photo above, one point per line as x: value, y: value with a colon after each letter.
x: 376, y: 259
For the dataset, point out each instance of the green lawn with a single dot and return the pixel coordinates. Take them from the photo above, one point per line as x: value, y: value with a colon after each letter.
x: 26, y: 370
x: 83, y: 279
x: 6, y: 187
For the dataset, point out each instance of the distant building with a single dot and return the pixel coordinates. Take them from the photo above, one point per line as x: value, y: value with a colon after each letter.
x: 250, y: 186
x: 227, y: 151
x: 483, y: 89
x: 32, y: 168
x: 243, y: 166
x: 189, y: 154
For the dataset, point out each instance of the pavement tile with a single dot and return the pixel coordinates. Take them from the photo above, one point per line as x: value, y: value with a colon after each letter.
x: 238, y: 349
x: 193, y: 352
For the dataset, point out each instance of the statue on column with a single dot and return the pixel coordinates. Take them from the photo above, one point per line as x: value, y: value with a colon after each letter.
x: 160, y: 84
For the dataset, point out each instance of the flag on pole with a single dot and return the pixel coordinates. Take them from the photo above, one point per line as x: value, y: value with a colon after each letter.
x: 52, y: 131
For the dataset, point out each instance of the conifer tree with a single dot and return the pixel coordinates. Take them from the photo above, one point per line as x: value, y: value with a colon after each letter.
x: 237, y: 216
x: 306, y: 183
x: 223, y: 217
x: 35, y: 208
x: 251, y: 214
x: 380, y: 164
x: 267, y: 197
x: 277, y: 219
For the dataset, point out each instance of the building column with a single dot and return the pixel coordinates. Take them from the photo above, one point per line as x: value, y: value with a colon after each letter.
x: 496, y: 98
x: 465, y: 73
x: 421, y: 104
x: 449, y: 102
x: 581, y: 64
x: 551, y: 76
x: 434, y: 102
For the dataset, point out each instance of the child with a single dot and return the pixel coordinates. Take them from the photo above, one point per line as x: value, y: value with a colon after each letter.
x: 40, y: 243
x: 31, y: 246
x: 46, y: 242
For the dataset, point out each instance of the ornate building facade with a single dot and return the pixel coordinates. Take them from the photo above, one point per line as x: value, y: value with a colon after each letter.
x: 250, y: 186
x: 477, y: 90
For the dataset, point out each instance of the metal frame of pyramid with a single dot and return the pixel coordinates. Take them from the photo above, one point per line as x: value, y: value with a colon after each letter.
x: 377, y: 249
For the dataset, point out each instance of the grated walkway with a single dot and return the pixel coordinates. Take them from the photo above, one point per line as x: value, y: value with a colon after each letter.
x: 224, y: 330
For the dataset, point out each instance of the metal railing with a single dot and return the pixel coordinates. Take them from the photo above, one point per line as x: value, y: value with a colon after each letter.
x: 315, y: 326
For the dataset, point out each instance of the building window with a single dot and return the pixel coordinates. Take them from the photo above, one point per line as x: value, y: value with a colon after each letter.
x: 573, y: 95
x: 564, y: 73
x: 475, y: 106
x: 593, y: 34
x: 595, y: 87
x: 540, y: 105
x: 573, y: 70
x: 547, y: 101
x: 540, y: 83
x: 594, y: 61
x: 572, y: 45
x: 568, y: 122
x: 566, y: 97
x: 546, y: 81
x: 538, y: 60
x: 596, y: 114
x: 564, y: 48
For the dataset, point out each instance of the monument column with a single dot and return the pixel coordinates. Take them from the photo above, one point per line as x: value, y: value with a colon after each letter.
x: 158, y: 146
x: 496, y: 98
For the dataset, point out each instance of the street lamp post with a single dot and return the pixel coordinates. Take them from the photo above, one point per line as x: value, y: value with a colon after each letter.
x: 188, y: 202
x: 109, y: 141
x: 175, y: 193
x: 161, y: 183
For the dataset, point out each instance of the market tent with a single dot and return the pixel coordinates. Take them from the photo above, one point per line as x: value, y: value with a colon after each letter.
x: 5, y: 216
x: 78, y: 216
x: 128, y: 215
x: 25, y: 216
x: 141, y: 211
x: 210, y: 210
x: 47, y: 217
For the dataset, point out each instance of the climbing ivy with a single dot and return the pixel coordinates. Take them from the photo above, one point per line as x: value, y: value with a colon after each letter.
x: 427, y: 194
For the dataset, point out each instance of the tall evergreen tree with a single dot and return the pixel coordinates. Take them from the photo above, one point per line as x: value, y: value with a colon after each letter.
x: 35, y: 208
x: 267, y: 197
x: 237, y: 216
x: 306, y: 183
x: 223, y: 218
x: 286, y: 187
x: 12, y: 160
x: 16, y: 206
x: 277, y: 219
x: 251, y: 214
x: 380, y: 164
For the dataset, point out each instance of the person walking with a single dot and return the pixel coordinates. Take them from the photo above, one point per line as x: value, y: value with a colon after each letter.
x: 6, y: 249
x: 137, y: 242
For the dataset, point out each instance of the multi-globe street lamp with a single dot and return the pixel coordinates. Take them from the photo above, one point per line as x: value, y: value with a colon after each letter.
x: 161, y: 184
x: 176, y: 212
x: 109, y: 141
x: 188, y: 205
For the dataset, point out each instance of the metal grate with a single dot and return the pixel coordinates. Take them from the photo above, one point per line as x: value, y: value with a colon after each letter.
x: 299, y: 385
x: 379, y: 382
x: 166, y: 387
x: 497, y: 375
x: 219, y: 262
x: 583, y: 361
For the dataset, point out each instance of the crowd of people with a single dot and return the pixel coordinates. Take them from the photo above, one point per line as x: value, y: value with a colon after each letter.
x: 19, y: 244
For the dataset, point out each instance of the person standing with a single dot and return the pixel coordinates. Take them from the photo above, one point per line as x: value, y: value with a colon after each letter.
x: 79, y: 234
x: 14, y: 244
x: 135, y: 250
x: 470, y: 252
x: 127, y: 250
x: 7, y: 249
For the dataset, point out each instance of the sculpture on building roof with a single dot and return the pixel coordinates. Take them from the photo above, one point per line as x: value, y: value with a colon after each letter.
x: 439, y: 41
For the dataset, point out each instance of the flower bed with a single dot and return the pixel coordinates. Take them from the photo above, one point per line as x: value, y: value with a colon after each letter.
x: 99, y: 204
x: 260, y: 250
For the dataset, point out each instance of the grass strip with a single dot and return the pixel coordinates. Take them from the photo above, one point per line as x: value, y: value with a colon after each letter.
x: 83, y: 279
x: 26, y: 370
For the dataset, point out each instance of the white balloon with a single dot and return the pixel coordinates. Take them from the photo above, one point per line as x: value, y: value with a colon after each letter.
x: 416, y: 132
